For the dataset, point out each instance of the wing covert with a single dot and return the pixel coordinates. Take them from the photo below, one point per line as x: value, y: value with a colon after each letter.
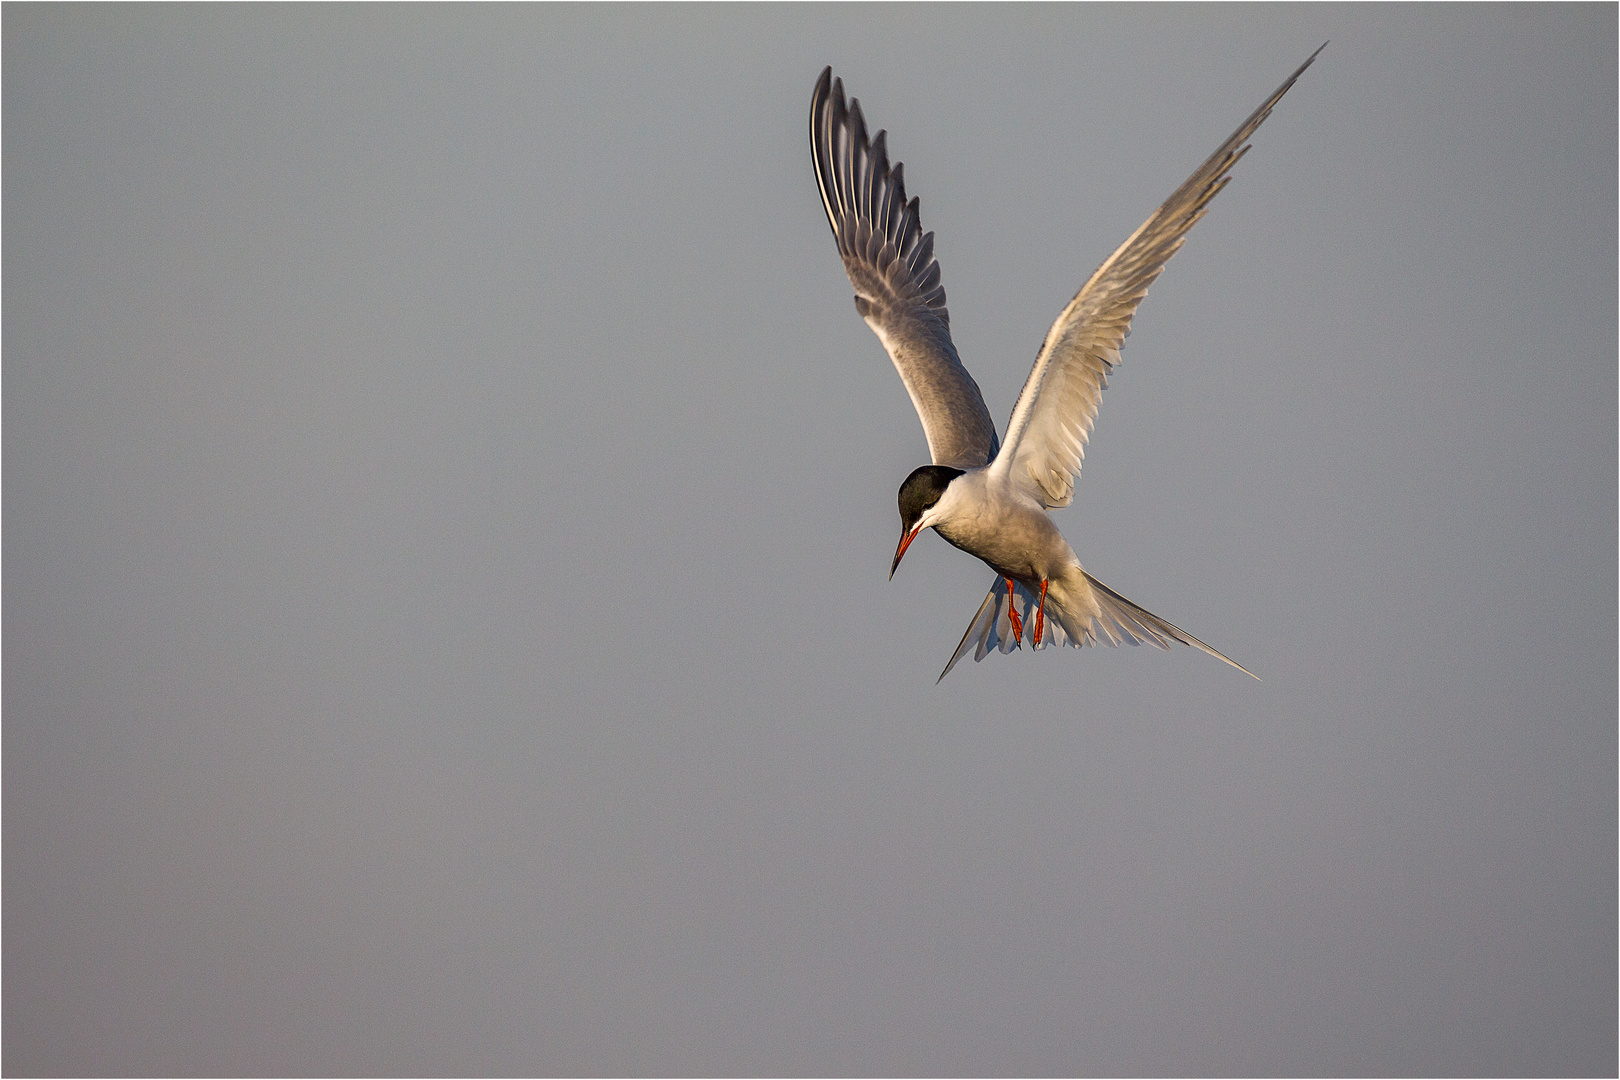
x: 890, y: 261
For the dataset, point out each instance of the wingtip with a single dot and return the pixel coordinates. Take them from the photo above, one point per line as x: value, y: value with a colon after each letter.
x: 1309, y: 60
x: 823, y: 90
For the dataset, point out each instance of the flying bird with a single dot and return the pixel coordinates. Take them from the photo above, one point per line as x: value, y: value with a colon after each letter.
x: 991, y: 496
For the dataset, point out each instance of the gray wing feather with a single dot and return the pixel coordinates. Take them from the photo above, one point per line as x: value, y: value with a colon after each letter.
x: 1053, y: 418
x: 890, y: 261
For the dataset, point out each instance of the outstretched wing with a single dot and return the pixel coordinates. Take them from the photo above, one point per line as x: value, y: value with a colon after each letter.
x: 890, y: 261
x: 1052, y: 420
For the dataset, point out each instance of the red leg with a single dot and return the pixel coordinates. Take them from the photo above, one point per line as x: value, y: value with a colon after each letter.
x: 1040, y: 613
x: 1012, y: 613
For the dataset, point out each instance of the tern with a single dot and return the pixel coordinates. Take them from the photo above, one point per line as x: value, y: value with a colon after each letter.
x: 991, y: 497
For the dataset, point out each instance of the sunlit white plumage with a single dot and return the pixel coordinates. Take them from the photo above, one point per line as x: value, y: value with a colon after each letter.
x: 986, y: 496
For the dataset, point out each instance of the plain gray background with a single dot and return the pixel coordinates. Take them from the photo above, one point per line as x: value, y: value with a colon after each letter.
x: 449, y: 493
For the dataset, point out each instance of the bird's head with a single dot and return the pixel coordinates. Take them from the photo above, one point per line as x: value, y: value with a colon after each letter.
x: 919, y: 498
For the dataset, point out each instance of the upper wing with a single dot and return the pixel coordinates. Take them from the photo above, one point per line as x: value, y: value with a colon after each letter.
x: 1052, y: 420
x: 890, y: 261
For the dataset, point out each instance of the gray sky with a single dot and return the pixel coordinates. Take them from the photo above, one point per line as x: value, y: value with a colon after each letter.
x: 449, y: 493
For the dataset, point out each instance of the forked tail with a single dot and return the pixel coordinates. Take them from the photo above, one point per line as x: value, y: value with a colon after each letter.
x: 1080, y: 610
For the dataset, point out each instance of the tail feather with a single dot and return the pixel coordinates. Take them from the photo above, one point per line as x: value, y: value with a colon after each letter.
x: 1080, y: 610
x: 991, y: 628
x: 1124, y: 615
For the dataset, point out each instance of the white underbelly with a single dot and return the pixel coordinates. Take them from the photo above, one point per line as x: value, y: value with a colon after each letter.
x: 1024, y: 546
